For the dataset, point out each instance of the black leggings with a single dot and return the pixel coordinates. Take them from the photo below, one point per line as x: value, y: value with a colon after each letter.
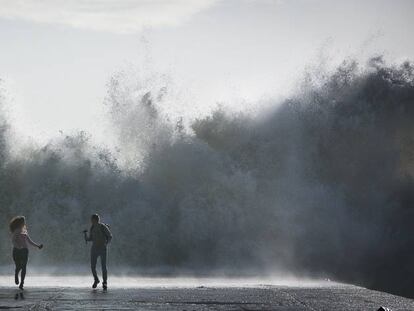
x: 20, y: 257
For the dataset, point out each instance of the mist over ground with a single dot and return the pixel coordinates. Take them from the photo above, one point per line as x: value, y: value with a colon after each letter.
x: 322, y: 184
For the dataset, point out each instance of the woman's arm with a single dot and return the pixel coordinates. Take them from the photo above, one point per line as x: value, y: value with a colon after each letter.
x: 30, y: 241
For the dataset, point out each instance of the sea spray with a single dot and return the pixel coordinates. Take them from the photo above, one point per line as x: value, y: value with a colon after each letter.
x: 321, y: 184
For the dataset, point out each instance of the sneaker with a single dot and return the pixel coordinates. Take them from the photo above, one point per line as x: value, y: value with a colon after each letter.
x: 16, y: 278
x: 95, y: 283
x: 21, y: 286
x: 104, y: 286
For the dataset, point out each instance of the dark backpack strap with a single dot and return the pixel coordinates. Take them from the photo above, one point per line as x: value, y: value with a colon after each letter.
x: 101, y: 226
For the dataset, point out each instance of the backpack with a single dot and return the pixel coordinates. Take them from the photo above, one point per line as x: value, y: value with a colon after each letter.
x: 101, y: 227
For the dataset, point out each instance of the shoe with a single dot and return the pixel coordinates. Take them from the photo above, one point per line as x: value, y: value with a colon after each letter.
x: 21, y: 286
x: 104, y: 286
x: 16, y: 278
x: 95, y: 283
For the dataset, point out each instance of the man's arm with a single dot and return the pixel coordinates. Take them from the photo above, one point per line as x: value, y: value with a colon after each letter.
x: 88, y: 237
x: 107, y: 233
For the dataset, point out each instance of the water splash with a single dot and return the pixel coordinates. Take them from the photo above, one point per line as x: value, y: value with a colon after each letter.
x: 321, y: 184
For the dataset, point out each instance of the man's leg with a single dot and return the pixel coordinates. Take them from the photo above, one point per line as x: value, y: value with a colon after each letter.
x: 94, y: 259
x: 103, y: 263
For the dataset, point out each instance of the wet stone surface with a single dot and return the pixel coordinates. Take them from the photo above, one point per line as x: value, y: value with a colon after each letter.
x: 329, y: 298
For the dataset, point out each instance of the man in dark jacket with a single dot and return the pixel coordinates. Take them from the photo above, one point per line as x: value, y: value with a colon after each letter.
x: 101, y: 236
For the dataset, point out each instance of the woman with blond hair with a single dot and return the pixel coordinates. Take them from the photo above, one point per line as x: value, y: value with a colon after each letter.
x: 20, y: 241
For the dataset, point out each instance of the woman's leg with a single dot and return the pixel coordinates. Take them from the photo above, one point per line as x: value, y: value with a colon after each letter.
x: 25, y: 258
x: 17, y: 265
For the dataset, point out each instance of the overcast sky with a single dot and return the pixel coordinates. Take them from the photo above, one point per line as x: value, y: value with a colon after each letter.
x: 56, y: 56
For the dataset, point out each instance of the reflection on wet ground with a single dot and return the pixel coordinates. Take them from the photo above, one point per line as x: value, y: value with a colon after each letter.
x: 207, y: 295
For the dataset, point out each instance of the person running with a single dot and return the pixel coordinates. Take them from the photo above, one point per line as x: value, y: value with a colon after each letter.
x: 20, y: 240
x: 101, y: 236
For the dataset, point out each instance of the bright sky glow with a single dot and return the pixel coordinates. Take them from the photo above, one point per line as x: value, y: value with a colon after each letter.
x: 57, y: 56
x: 120, y: 16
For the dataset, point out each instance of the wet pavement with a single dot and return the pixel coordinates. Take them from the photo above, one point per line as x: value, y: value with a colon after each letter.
x: 264, y: 297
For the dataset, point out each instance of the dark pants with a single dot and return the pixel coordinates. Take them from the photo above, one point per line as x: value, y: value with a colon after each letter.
x: 20, y: 257
x: 95, y: 253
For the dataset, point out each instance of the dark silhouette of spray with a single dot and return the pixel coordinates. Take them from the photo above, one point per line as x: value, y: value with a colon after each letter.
x: 322, y: 184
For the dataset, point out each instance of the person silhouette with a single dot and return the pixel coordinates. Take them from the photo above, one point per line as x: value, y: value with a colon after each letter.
x: 20, y: 240
x: 100, y: 236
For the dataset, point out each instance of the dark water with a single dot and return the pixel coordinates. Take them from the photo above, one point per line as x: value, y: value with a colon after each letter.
x: 322, y: 184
